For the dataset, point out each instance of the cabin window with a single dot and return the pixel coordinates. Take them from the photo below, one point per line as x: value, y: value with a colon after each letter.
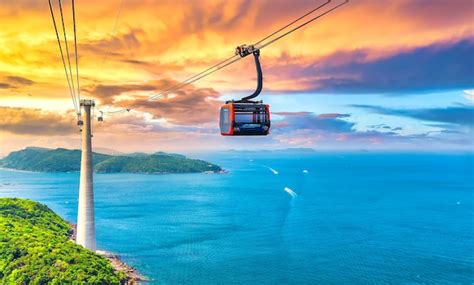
x: 225, y: 123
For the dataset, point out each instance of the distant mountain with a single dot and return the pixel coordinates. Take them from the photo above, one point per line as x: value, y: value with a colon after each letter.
x: 109, y: 151
x: 281, y: 151
x: 65, y: 160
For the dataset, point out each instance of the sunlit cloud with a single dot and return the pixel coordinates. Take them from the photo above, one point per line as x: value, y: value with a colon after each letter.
x: 401, y: 47
x: 469, y: 94
x: 25, y: 121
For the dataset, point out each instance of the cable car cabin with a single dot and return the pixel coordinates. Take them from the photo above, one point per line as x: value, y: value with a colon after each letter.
x: 245, y: 119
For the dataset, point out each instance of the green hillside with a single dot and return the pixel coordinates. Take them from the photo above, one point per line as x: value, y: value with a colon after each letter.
x: 64, y: 160
x: 35, y: 249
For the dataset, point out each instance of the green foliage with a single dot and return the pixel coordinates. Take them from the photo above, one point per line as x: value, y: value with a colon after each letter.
x: 35, y: 249
x: 64, y: 160
x: 155, y: 163
x: 47, y: 160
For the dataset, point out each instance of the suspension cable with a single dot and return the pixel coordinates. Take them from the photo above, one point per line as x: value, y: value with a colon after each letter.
x: 76, y: 54
x: 187, y: 81
x: 67, y: 50
x: 291, y: 23
x: 304, y: 24
x: 107, y: 51
x: 258, y: 45
x: 62, y: 57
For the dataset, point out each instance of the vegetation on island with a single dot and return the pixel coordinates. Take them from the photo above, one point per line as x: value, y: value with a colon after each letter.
x: 35, y: 248
x: 65, y: 160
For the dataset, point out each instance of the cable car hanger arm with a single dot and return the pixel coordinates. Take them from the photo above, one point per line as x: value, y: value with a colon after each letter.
x: 243, y: 51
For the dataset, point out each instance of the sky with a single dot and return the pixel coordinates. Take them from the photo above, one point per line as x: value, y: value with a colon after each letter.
x: 372, y: 75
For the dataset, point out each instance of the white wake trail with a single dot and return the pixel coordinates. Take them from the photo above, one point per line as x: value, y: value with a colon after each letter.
x: 291, y: 192
x: 272, y: 170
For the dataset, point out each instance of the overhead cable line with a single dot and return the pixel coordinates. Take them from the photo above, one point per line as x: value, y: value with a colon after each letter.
x: 114, y: 28
x: 294, y: 21
x: 67, y: 49
x: 230, y: 60
x: 177, y: 86
x: 257, y: 46
x: 107, y: 51
x: 302, y: 25
x: 76, y: 107
x: 75, y: 53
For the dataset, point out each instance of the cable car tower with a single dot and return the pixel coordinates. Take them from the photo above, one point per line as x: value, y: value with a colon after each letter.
x: 85, y: 216
x: 85, y: 235
x: 243, y: 117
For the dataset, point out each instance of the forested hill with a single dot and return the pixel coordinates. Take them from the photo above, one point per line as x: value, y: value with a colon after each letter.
x: 35, y: 249
x: 65, y: 160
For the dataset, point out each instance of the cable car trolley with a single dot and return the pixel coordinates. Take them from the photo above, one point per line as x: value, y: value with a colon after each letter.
x: 245, y: 117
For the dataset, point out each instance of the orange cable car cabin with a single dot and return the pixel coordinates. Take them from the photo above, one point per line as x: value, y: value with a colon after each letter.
x: 245, y: 117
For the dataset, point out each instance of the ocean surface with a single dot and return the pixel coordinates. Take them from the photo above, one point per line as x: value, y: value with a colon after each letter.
x: 283, y: 218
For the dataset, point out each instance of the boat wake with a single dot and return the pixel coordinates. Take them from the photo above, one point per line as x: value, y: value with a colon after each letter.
x: 290, y: 192
x: 272, y: 170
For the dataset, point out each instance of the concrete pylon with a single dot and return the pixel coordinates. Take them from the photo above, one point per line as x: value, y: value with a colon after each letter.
x: 85, y: 215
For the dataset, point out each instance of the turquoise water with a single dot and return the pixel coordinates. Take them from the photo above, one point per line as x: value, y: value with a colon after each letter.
x: 357, y: 218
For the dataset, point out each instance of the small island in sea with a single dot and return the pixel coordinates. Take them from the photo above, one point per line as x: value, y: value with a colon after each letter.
x: 36, y: 247
x: 66, y: 160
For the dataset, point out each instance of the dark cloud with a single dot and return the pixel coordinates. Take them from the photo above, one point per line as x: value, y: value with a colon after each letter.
x: 26, y: 121
x: 437, y: 66
x: 12, y: 82
x: 330, y: 130
x: 385, y: 127
x: 188, y: 105
x: 107, y: 93
x: 19, y: 80
x: 308, y: 129
x: 459, y: 115
x: 434, y: 12
x: 333, y: 116
x: 115, y: 46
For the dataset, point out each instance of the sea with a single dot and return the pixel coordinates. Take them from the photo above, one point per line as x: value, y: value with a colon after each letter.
x: 282, y: 218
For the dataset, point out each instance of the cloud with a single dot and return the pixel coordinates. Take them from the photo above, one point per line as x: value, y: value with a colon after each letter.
x: 433, y: 67
x: 108, y: 93
x: 13, y: 82
x: 331, y: 123
x: 26, y: 121
x: 333, y: 116
x: 325, y: 130
x: 385, y: 127
x: 115, y: 45
x: 187, y: 106
x: 459, y: 115
x: 469, y: 94
x: 19, y: 80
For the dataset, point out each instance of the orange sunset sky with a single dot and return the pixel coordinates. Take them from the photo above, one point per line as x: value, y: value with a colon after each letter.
x: 372, y: 75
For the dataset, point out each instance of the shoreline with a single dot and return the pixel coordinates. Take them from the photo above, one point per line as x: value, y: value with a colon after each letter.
x: 222, y: 171
x: 17, y: 170
x: 133, y: 275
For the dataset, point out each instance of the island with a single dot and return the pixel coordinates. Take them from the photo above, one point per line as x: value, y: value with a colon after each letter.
x: 66, y: 160
x: 36, y: 248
